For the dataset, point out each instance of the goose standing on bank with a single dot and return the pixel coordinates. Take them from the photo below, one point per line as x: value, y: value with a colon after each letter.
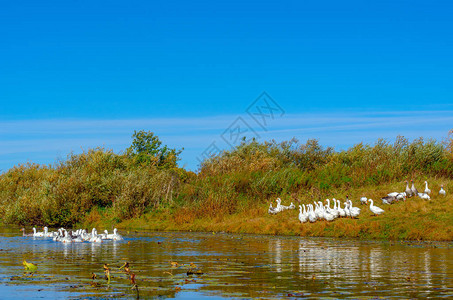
x: 408, y: 190
x: 311, y: 214
x: 354, y: 210
x: 279, y: 206
x: 414, y: 189
x: 388, y: 199
x: 363, y: 200
x: 374, y: 209
x: 427, y: 190
x: 442, y: 191
x: 272, y: 210
x: 346, y: 209
x: 424, y: 196
x: 341, y: 211
x: 401, y: 196
x: 303, y: 216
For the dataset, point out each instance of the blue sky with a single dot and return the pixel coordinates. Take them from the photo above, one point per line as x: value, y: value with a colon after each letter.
x: 80, y: 74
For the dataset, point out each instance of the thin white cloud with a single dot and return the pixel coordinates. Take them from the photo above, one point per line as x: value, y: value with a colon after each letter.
x: 21, y: 140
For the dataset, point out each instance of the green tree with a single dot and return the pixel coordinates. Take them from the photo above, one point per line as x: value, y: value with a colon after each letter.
x: 147, y: 149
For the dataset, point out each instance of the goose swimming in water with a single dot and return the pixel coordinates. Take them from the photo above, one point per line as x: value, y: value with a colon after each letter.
x: 374, y: 209
x: 442, y: 191
x: 115, y: 236
x: 47, y: 233
x: 37, y: 234
x: 25, y: 234
x: 66, y: 238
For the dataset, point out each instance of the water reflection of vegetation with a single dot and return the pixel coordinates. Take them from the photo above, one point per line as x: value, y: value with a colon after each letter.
x: 232, y: 265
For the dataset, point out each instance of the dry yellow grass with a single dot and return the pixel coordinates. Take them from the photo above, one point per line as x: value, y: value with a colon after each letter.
x: 413, y: 219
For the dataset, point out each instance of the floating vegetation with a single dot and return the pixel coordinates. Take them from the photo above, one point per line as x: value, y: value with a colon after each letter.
x: 29, y: 266
x: 205, y: 265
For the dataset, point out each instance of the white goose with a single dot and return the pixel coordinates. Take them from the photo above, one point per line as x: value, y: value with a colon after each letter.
x: 333, y: 210
x: 66, y: 239
x: 272, y: 210
x: 341, y: 211
x: 279, y: 206
x: 47, y: 233
x: 311, y: 214
x: 37, y: 234
x: 401, y: 196
x: 322, y: 209
x: 95, y: 238
x: 442, y: 191
x: 115, y: 236
x: 346, y: 209
x: 58, y: 235
x: 328, y: 215
x: 424, y: 196
x: 427, y: 190
x: 354, y: 210
x: 363, y: 200
x: 318, y: 211
x: 303, y: 216
x: 374, y: 209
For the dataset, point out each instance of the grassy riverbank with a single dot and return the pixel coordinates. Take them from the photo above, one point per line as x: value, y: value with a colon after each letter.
x: 414, y: 219
x: 143, y: 188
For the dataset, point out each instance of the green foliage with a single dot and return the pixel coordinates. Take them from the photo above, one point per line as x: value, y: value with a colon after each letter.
x: 147, y: 149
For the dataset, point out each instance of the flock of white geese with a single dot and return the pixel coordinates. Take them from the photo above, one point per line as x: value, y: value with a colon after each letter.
x: 319, y: 211
x: 79, y: 236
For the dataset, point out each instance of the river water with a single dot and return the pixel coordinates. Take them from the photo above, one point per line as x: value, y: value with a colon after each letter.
x: 228, y: 266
